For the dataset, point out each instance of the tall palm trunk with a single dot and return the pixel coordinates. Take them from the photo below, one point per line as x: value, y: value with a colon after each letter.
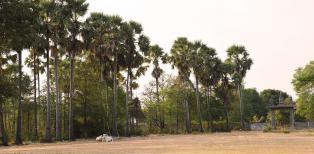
x: 4, y: 137
x: 131, y: 99
x: 210, y: 118
x: 200, y: 127
x: 71, y: 134
x: 36, y: 106
x: 35, y: 99
x: 18, y: 137
x: 226, y: 114
x: 158, y: 103
x: 115, y: 129
x: 85, y: 117
x: 177, y: 118
x: 127, y: 130
x: 241, y: 106
x: 187, y: 114
x: 48, y: 117
x: 58, y: 106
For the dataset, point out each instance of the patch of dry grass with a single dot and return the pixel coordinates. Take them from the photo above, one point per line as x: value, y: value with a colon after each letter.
x: 234, y: 142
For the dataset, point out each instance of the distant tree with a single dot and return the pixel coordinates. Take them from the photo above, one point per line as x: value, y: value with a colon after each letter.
x: 254, y: 105
x: 272, y: 97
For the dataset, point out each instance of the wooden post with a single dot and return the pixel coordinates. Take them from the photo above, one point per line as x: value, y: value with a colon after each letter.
x: 273, y: 122
x: 291, y: 118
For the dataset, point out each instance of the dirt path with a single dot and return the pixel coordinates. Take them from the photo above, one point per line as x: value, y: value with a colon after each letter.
x: 235, y: 142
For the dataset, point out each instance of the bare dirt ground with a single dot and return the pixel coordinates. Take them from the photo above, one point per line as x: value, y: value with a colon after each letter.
x: 216, y: 143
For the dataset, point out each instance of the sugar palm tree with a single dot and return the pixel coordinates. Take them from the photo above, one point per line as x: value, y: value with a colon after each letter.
x: 59, y: 34
x: 239, y: 57
x: 180, y: 58
x: 225, y: 87
x: 136, y: 48
x: 197, y: 63
x: 76, y: 9
x: 157, y: 55
x: 47, y: 10
x: 103, y: 35
x: 209, y: 76
x: 94, y: 31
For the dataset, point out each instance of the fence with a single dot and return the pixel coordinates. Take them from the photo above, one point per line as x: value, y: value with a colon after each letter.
x: 308, y: 124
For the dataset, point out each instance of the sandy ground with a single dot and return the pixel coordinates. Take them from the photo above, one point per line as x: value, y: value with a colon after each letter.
x: 234, y: 142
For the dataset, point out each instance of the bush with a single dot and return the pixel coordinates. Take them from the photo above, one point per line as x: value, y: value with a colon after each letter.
x: 267, y: 129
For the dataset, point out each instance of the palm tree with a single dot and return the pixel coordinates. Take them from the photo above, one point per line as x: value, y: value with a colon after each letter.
x: 209, y: 77
x: 136, y: 48
x: 76, y: 9
x: 47, y: 10
x: 180, y: 51
x: 197, y: 63
x: 59, y: 34
x: 157, y: 54
x: 114, y: 40
x: 225, y: 87
x: 239, y: 57
x: 102, y: 36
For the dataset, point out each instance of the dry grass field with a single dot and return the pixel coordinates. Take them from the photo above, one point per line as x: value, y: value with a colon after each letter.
x: 216, y: 143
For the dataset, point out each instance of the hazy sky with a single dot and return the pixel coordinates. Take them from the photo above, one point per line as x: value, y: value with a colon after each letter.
x: 278, y: 34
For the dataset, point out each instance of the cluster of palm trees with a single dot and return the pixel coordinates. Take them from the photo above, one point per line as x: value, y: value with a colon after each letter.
x: 57, y: 28
x: 202, y: 61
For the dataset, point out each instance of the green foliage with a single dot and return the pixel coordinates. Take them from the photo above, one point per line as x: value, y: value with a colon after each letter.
x: 303, y: 85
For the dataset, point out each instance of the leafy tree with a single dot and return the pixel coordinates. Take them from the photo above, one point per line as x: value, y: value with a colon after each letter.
x: 271, y: 97
x: 17, y: 29
x: 303, y: 85
x: 6, y: 91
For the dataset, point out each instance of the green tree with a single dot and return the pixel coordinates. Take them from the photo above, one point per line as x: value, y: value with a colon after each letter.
x: 18, y: 20
x: 6, y: 91
x: 303, y: 85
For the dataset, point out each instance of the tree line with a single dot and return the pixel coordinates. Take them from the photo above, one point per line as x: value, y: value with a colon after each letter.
x: 92, y: 65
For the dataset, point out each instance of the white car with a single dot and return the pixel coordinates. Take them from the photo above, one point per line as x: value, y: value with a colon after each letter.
x: 104, y: 138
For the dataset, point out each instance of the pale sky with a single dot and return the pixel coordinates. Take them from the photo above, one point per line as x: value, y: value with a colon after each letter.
x: 278, y: 34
